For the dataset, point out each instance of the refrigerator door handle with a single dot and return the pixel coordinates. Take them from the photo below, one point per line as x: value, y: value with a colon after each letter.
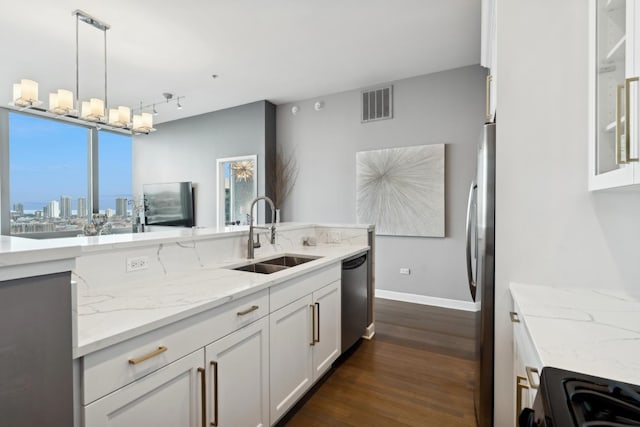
x: 470, y: 204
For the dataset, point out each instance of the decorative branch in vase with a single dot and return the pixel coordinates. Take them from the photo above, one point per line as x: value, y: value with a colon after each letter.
x: 285, y: 175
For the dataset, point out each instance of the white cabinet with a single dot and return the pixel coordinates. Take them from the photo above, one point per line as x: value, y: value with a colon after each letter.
x: 526, y: 366
x: 169, y: 397
x: 244, y: 363
x: 328, y: 320
x: 614, y: 32
x: 148, y: 380
x: 291, y: 332
x: 238, y: 377
x: 489, y: 55
x: 305, y: 341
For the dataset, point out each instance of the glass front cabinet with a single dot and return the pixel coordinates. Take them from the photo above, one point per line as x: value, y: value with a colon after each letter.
x: 614, y: 67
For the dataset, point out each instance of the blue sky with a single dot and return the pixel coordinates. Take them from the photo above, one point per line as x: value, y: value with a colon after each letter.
x: 48, y: 159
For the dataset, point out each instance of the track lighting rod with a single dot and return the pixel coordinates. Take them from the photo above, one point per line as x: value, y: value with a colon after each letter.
x: 167, y: 100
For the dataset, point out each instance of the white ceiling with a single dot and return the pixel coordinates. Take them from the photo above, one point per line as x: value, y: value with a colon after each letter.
x: 279, y: 50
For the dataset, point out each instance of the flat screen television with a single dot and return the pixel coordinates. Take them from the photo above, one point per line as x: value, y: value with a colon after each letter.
x: 169, y: 203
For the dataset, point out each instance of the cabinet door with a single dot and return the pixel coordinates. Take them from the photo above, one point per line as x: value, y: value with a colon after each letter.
x: 613, y: 132
x: 291, y: 339
x: 169, y: 397
x: 488, y: 55
x: 328, y: 317
x: 522, y: 389
x: 238, y: 377
x: 527, y: 366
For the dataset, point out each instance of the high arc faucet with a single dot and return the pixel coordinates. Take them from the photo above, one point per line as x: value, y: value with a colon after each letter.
x: 251, y: 245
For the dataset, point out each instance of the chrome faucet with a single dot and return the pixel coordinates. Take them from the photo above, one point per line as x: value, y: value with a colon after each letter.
x: 251, y: 244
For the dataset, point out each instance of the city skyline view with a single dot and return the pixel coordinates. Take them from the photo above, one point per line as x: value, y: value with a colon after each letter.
x: 49, y: 160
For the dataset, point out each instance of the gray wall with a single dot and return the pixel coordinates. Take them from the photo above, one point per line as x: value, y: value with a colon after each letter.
x: 187, y: 149
x: 446, y: 107
x: 550, y: 230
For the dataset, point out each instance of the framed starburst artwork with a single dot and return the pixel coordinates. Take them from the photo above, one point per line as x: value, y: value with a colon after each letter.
x: 401, y: 190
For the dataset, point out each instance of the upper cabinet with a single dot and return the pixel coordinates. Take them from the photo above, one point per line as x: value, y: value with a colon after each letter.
x: 613, y: 94
x: 489, y: 56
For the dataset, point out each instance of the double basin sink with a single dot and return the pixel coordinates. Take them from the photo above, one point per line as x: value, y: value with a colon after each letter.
x: 276, y: 264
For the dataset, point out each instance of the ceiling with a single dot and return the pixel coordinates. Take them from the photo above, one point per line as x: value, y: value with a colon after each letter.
x: 279, y: 50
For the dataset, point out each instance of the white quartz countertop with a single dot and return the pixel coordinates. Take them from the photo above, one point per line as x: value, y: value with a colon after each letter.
x: 18, y: 250
x: 106, y: 316
x: 596, y: 332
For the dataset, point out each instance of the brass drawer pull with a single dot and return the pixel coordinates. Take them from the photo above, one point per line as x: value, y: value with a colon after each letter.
x: 318, y: 322
x: 514, y: 317
x: 203, y: 395
x: 627, y: 113
x: 530, y: 371
x: 214, y: 365
x: 136, y: 360
x: 248, y: 310
x: 313, y: 324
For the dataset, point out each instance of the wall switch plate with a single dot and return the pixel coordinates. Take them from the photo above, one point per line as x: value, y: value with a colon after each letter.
x: 405, y: 271
x: 137, y: 263
x: 334, y: 237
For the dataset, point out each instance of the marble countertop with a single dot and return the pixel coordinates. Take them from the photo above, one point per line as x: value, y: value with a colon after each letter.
x: 170, y: 235
x: 109, y: 316
x: 596, y: 332
x: 18, y: 250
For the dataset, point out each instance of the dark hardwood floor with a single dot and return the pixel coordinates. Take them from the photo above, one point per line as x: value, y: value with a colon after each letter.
x: 417, y: 371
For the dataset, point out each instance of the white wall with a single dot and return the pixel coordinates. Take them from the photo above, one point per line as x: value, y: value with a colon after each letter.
x: 445, y: 107
x: 549, y: 229
x: 187, y: 150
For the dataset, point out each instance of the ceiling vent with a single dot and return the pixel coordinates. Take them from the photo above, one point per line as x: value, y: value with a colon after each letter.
x: 377, y: 104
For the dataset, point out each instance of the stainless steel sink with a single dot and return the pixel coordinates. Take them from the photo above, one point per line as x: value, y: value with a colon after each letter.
x: 275, y: 264
x: 289, y: 260
x: 261, y: 268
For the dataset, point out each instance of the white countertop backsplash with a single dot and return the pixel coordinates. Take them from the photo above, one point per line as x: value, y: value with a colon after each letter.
x: 108, y: 315
x: 596, y: 332
x: 185, y: 272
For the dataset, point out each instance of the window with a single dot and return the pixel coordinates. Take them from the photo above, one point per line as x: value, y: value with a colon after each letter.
x: 50, y: 183
x: 114, y: 177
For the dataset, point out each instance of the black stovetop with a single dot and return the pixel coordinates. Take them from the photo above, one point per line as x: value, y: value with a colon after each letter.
x: 574, y: 399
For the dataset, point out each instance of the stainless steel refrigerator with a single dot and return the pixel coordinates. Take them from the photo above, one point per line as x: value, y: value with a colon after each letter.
x: 480, y: 269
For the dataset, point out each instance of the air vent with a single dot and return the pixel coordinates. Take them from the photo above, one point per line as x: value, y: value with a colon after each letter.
x: 377, y: 104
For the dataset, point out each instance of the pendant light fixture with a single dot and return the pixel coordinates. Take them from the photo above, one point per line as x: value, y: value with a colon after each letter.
x: 95, y: 111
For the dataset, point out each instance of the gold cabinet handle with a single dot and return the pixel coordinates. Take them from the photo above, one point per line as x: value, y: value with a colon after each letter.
x: 313, y: 324
x: 627, y: 112
x: 520, y: 386
x: 619, y: 159
x: 514, y: 317
x: 136, y: 360
x: 203, y: 395
x: 214, y: 365
x: 487, y: 98
x: 530, y: 371
x: 318, y: 322
x: 248, y: 310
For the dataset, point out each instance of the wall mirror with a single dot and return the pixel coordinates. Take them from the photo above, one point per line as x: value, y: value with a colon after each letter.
x: 237, y: 188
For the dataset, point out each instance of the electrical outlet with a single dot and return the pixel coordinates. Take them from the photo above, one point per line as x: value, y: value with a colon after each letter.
x: 334, y: 237
x: 137, y: 263
x: 405, y: 271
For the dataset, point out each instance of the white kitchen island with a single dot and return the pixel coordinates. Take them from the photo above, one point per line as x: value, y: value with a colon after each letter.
x: 187, y: 338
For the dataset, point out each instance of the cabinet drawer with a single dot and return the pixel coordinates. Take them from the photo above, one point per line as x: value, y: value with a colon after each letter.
x: 291, y: 290
x: 111, y: 368
x: 526, y: 360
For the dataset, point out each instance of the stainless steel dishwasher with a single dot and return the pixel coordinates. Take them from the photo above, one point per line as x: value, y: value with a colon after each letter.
x: 355, y: 297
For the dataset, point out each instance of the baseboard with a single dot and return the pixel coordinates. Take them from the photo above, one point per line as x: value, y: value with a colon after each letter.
x: 426, y: 300
x: 369, y: 332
